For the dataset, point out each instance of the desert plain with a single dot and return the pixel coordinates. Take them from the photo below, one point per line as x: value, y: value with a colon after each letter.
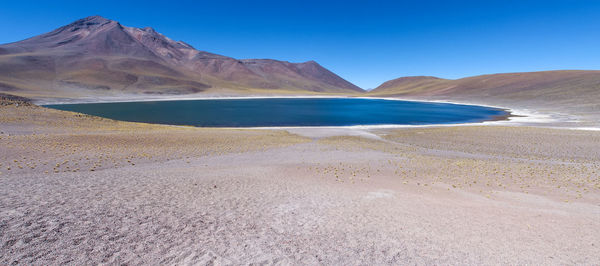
x: 77, y: 189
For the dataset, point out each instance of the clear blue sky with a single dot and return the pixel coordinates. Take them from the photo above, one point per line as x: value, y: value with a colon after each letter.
x: 365, y: 42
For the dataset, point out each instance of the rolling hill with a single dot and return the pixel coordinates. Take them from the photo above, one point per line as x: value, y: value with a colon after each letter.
x: 98, y: 56
x: 564, y: 89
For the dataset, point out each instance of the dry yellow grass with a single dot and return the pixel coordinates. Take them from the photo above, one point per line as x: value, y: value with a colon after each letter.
x: 55, y: 141
x: 85, y: 190
x: 560, y: 164
x: 483, y: 159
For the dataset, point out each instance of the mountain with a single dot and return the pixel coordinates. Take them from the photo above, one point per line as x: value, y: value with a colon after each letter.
x: 564, y: 88
x: 99, y: 56
x: 407, y: 85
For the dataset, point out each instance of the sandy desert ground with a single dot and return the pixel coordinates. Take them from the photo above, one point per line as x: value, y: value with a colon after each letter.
x: 76, y: 189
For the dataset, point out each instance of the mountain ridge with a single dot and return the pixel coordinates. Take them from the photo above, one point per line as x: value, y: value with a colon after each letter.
x: 98, y: 55
x: 565, y: 90
x: 511, y: 80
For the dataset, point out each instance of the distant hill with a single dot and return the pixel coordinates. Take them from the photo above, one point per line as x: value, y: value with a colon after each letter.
x: 95, y: 55
x: 577, y: 88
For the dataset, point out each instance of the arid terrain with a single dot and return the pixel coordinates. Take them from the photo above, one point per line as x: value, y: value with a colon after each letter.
x: 77, y: 189
x: 567, y: 95
x: 85, y: 190
x: 95, y: 56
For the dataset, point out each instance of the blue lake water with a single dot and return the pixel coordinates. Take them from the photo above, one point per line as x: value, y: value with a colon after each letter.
x: 271, y: 112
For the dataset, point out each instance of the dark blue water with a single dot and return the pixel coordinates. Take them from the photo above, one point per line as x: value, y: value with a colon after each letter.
x: 286, y: 112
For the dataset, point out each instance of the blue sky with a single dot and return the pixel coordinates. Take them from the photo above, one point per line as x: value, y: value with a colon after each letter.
x: 365, y: 42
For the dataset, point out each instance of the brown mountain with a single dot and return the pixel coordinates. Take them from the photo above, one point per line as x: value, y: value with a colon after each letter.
x: 558, y: 89
x: 98, y: 56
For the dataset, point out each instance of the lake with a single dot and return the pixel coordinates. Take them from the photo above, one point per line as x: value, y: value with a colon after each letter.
x: 274, y: 112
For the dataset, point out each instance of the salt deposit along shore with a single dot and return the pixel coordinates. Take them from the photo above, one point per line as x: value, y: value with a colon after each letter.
x: 78, y: 189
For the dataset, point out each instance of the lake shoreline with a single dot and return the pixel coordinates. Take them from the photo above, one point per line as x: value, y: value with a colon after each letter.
x: 512, y: 194
x: 424, y: 112
x: 518, y: 116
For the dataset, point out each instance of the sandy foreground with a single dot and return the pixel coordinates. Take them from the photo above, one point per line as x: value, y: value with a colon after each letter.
x: 84, y: 190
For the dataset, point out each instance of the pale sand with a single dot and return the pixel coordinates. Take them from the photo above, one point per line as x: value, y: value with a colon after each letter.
x: 179, y: 195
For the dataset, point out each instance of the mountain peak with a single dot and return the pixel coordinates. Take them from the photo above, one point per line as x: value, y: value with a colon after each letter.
x: 96, y: 18
x: 91, y: 21
x: 121, y: 57
x: 311, y: 62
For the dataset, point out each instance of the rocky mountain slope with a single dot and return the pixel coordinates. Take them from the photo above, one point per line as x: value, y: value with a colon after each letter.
x: 95, y: 55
